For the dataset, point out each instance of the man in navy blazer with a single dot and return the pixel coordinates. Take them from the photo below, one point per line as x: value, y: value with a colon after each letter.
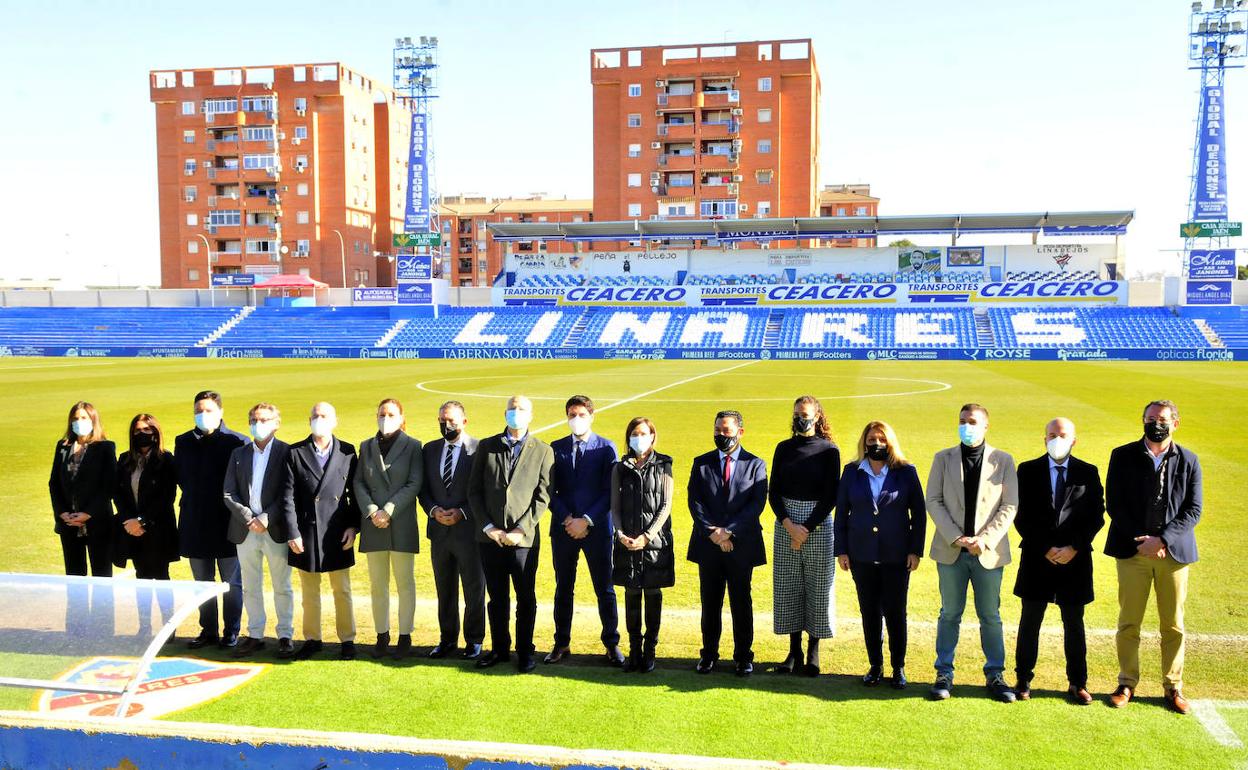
x: 580, y: 507
x: 727, y: 494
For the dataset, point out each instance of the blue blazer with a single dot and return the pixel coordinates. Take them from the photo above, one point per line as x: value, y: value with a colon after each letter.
x: 884, y: 531
x: 583, y: 492
x: 1128, y: 485
x: 736, y: 508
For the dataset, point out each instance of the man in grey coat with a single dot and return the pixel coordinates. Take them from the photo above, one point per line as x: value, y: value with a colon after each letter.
x: 508, y: 491
x: 387, y: 481
x: 254, y: 483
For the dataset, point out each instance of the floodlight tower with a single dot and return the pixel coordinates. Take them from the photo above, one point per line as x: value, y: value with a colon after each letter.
x: 416, y: 78
x: 1216, y: 43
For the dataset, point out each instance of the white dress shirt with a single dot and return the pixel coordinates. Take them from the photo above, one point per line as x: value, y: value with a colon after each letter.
x: 259, y: 464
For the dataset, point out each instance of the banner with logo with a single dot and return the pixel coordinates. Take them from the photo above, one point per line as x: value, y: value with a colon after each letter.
x: 1211, y: 156
x: 416, y: 213
x: 814, y: 295
x: 374, y: 296
x: 413, y: 267
x: 1209, y: 292
x: 1058, y: 258
x: 228, y: 280
x: 1211, y: 263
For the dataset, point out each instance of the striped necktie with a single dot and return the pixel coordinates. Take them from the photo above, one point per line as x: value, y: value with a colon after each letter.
x: 447, y: 465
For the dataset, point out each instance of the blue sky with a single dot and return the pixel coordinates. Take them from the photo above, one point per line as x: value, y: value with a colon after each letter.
x: 943, y: 108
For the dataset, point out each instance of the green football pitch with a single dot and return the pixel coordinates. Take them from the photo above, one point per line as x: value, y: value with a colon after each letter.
x: 832, y: 719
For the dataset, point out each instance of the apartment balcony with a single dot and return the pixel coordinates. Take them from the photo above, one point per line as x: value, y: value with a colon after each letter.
x: 714, y: 160
x: 720, y: 129
x: 720, y: 98
x: 678, y: 131
x: 678, y: 162
x: 226, y: 258
x: 679, y: 101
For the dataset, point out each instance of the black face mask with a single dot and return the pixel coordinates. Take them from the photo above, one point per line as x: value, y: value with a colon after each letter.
x: 725, y: 444
x: 1156, y: 432
x: 877, y: 452
x: 143, y: 440
x: 803, y: 424
x: 448, y: 433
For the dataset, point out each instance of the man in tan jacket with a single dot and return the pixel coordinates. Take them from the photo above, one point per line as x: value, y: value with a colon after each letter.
x: 972, y: 496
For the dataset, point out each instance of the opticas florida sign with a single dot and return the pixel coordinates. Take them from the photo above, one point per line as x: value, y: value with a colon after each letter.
x: 1001, y: 292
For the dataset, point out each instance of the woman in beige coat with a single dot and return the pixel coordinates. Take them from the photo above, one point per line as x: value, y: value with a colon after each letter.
x: 386, y: 485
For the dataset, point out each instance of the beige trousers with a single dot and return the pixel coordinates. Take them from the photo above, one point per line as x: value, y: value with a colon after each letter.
x: 380, y: 564
x: 344, y: 612
x: 1136, y: 577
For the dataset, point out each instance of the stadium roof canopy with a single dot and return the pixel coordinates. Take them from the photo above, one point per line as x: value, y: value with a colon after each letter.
x: 801, y: 228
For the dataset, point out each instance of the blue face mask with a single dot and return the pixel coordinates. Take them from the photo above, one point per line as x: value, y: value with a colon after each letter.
x: 517, y: 420
x: 207, y: 422
x: 971, y: 435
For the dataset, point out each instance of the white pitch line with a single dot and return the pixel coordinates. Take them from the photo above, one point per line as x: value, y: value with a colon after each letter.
x: 639, y: 396
x: 1215, y: 725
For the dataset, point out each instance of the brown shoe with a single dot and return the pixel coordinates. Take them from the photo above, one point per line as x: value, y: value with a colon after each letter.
x: 1121, y: 697
x: 1080, y: 696
x: 557, y: 655
x: 1176, y: 702
x: 248, y: 647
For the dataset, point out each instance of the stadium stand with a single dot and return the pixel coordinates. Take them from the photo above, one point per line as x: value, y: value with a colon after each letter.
x: 628, y: 280
x: 111, y: 326
x: 733, y: 280
x: 553, y: 280
x: 1052, y: 275
x: 319, y: 326
x: 1125, y: 327
x: 869, y: 327
x: 1229, y: 324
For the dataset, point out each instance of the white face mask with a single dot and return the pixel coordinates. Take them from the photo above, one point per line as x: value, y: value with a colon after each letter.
x: 1059, y: 447
x: 579, y: 425
x: 518, y: 420
x: 208, y: 422
x: 640, y: 444
x: 262, y: 430
x: 389, y: 424
x: 83, y: 427
x: 322, y: 427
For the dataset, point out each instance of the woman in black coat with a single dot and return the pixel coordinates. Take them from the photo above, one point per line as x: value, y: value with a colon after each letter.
x: 881, y: 518
x: 147, y: 530
x: 644, y: 557
x: 84, y: 470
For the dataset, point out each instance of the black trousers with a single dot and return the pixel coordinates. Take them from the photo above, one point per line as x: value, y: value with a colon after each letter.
x: 640, y: 602
x: 1073, y: 635
x: 457, y: 560
x: 152, y: 569
x: 79, y: 551
x: 715, y: 574
x: 507, y: 568
x: 882, y: 591
x: 565, y: 553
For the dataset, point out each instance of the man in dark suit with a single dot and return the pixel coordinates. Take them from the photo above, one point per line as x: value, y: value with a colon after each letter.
x: 508, y: 491
x: 201, y: 457
x: 1154, y: 496
x: 1061, y: 507
x: 452, y: 535
x: 580, y: 508
x: 322, y: 519
x: 727, y: 494
x: 255, y: 494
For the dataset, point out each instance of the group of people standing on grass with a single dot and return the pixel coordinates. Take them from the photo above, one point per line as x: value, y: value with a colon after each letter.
x: 251, y: 500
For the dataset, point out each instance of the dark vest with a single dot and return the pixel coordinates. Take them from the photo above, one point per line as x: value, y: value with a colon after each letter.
x: 641, y: 498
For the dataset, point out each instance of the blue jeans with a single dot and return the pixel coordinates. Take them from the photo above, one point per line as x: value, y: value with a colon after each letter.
x: 987, y: 585
x: 207, y: 570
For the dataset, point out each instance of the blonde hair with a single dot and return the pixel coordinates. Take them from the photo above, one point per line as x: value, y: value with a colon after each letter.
x: 896, y: 458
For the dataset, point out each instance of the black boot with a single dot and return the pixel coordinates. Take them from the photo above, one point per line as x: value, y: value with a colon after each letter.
x: 812, y: 658
x: 654, y: 617
x: 794, y: 661
x: 632, y: 623
x: 633, y: 661
x: 383, y: 644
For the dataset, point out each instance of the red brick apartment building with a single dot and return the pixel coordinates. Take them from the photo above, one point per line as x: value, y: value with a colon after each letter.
x: 296, y: 167
x: 470, y: 255
x: 848, y: 200
x: 700, y: 131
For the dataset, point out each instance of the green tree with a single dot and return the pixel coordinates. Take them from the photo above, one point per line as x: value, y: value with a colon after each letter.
x: 903, y: 243
x: 1243, y: 272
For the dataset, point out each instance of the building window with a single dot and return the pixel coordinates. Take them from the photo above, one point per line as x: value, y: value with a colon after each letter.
x: 218, y: 106
x: 192, y: 220
x: 764, y: 208
x: 634, y: 120
x: 680, y: 180
x: 299, y: 74
x: 301, y: 103
x: 188, y: 136
x: 301, y: 217
x: 188, y: 166
x: 861, y: 211
x: 634, y: 209
x: 764, y: 84
x: 634, y: 180
x: 188, y: 108
x: 192, y: 247
x: 301, y: 162
x: 259, y: 161
x: 303, y: 247
x: 258, y: 104
x: 764, y: 116
x: 192, y: 275
x: 188, y: 78
x: 764, y: 146
x: 634, y: 151
x: 718, y: 208
x: 763, y: 175
x: 634, y: 89
x: 841, y: 211
x: 224, y: 217
x: 189, y: 193
x: 301, y: 189
x: 301, y: 132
